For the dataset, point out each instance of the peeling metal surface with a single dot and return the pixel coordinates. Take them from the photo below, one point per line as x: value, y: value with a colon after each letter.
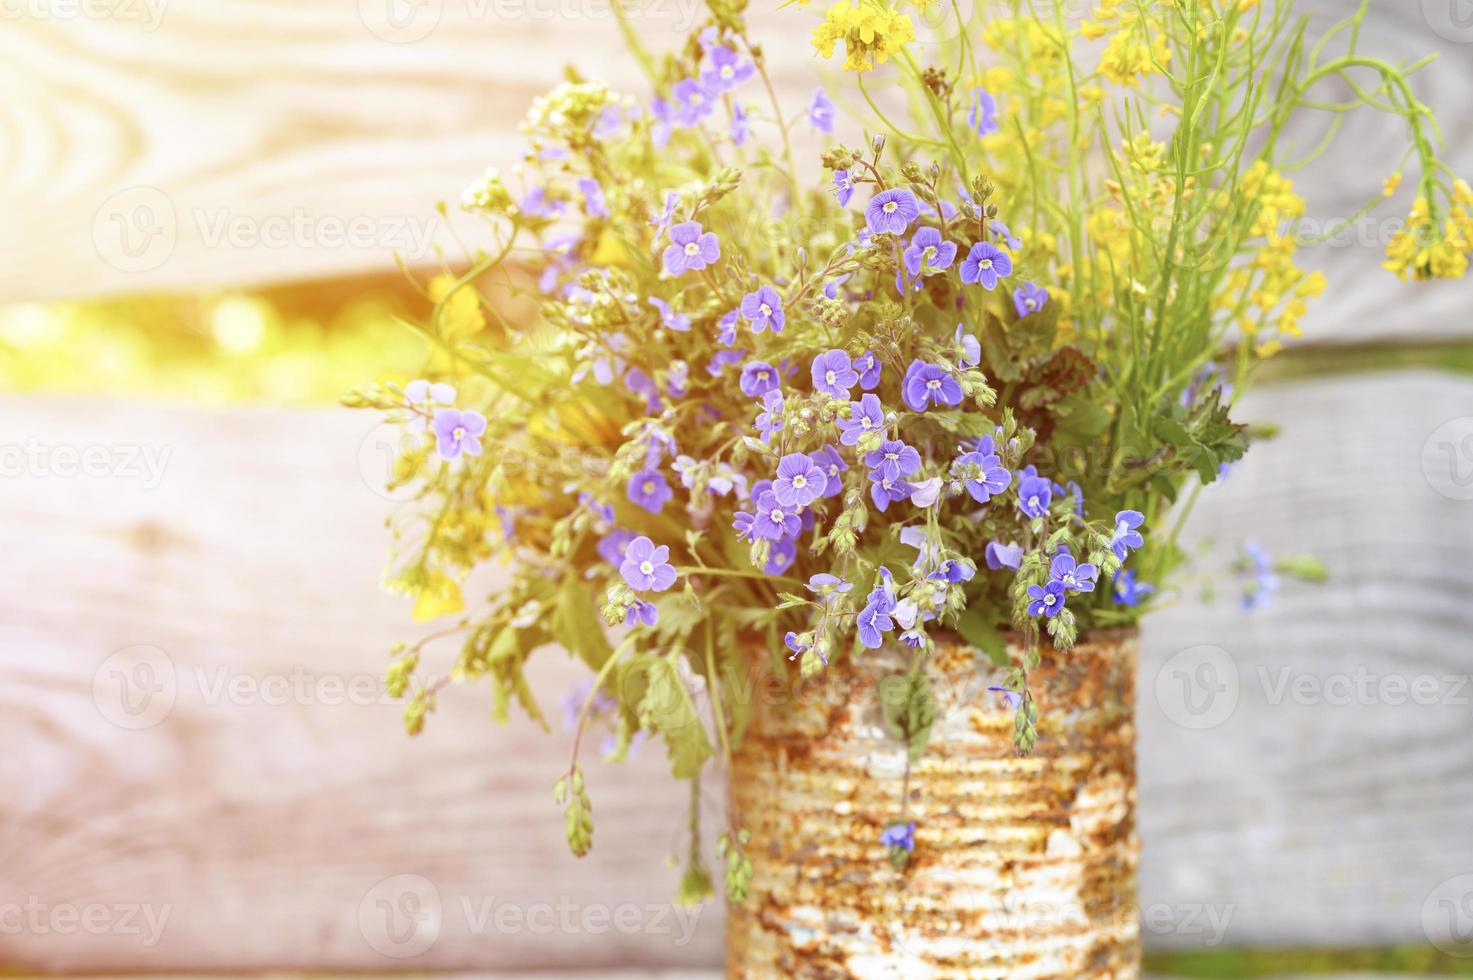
x: 1023, y: 867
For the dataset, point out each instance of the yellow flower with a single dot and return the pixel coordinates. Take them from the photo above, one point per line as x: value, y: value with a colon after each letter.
x: 440, y: 596
x: 461, y: 315
x: 871, y: 33
x: 1391, y: 184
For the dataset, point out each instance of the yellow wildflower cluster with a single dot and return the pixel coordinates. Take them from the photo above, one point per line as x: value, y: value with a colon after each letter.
x: 871, y: 33
x: 1138, y: 45
x: 1421, y: 251
x: 1269, y: 295
x: 1027, y: 39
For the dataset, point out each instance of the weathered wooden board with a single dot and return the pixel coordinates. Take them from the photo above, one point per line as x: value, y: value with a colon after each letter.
x: 180, y: 144
x: 1309, y: 764
x: 256, y: 788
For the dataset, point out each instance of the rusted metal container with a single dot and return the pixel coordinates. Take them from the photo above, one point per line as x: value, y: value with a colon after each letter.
x: 1023, y: 866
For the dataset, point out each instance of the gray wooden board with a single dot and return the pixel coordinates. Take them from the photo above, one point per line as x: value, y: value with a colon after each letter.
x: 276, y: 805
x: 227, y: 144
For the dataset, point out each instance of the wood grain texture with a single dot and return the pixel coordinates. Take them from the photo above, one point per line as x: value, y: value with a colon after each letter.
x: 185, y: 144
x: 273, y: 821
x: 1318, y: 813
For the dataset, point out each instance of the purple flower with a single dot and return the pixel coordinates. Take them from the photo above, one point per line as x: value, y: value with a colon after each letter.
x: 984, y: 264
x: 647, y: 568
x: 868, y: 366
x: 887, y: 491
x: 999, y: 555
x: 821, y: 111
x: 458, y: 432
x: 694, y: 100
x: 833, y: 374
x: 758, y: 378
x: 648, y: 489
x: 926, y: 493
x: 1029, y: 298
x: 865, y: 415
x: 1126, y: 536
x: 928, y: 384
x: 593, y: 198
x: 772, y: 520
x: 827, y: 586
x: 691, y: 248
x: 727, y: 326
x: 611, y: 546
x: 678, y: 322
x: 1127, y: 591
x: 794, y: 643
x: 843, y: 187
x: 901, y: 835
x: 891, y: 211
x: 1003, y: 232
x: 983, y: 115
x: 664, y: 115
x: 770, y: 419
x: 780, y: 556
x: 1010, y: 697
x: 721, y: 359
x: 1070, y: 574
x: 872, y: 623
x: 641, y: 613
x: 832, y: 464
x: 1048, y: 600
x: 893, y: 459
x: 537, y: 204
x: 1257, y: 566
x: 971, y: 348
x: 739, y: 126
x: 1034, y: 495
x: 985, y: 475
x: 727, y: 71
x: 764, y: 309
x: 928, y: 253
x: 799, y: 482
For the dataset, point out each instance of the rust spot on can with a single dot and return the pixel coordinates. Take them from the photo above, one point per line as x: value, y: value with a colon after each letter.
x: 1023, y: 866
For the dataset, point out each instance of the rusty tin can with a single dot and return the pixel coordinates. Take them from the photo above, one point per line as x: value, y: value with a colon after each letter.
x: 1023, y: 866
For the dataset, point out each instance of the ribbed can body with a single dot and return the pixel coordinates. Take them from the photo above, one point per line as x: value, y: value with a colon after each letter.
x: 1023, y: 866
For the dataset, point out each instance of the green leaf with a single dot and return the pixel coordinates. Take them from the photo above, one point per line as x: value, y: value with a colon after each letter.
x: 576, y: 623
x: 908, y: 709
x: 667, y: 708
x: 978, y: 630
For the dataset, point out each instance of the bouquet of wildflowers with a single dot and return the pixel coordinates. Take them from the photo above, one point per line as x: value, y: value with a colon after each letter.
x: 953, y: 377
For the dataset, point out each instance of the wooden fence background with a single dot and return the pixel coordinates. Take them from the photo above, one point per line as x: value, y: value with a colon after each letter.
x: 192, y: 633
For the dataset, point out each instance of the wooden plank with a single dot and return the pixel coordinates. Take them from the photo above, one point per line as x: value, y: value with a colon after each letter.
x: 268, y: 817
x: 1320, y: 814
x: 264, y: 819
x: 267, y: 141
